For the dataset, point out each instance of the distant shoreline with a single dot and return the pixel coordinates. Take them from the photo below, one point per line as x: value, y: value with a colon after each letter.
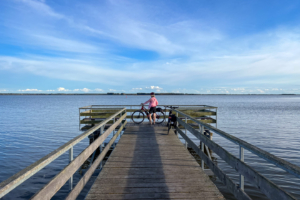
x: 133, y: 94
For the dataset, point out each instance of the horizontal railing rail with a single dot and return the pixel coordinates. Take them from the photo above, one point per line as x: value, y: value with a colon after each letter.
x: 231, y: 186
x: 285, y: 165
x: 99, y: 106
x: 18, y: 178
x: 90, y: 115
x: 76, y: 191
x: 59, y: 180
x: 271, y: 190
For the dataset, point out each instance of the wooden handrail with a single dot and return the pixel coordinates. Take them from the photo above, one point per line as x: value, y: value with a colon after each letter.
x: 231, y: 186
x: 18, y: 178
x: 99, y: 106
x: 266, y: 186
x: 285, y: 165
x: 82, y: 182
x: 60, y: 179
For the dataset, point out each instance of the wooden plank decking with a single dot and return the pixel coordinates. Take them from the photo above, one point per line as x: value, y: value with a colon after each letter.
x: 147, y: 163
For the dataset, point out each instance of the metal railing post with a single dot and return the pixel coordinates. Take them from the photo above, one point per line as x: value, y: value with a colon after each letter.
x: 185, y: 132
x: 241, y: 176
x: 202, y: 148
x: 70, y: 160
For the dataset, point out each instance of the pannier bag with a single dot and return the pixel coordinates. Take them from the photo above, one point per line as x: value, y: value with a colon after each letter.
x: 173, y: 118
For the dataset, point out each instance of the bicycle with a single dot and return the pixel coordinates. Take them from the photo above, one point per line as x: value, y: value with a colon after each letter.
x: 138, y: 116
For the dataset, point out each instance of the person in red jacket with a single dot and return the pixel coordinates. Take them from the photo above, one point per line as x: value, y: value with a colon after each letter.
x: 152, y: 107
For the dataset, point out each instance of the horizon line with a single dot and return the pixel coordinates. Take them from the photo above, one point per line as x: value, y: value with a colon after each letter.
x: 109, y: 93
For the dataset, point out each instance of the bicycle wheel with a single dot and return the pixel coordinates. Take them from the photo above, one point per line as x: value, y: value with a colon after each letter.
x: 137, y: 116
x: 160, y: 117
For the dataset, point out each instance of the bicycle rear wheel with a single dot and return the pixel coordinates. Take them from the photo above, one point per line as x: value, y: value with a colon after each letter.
x: 160, y: 117
x: 137, y: 116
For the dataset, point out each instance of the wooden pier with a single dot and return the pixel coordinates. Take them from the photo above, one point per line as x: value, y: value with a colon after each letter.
x: 148, y: 163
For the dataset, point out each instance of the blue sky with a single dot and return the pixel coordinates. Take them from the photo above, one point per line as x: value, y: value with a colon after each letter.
x: 190, y: 46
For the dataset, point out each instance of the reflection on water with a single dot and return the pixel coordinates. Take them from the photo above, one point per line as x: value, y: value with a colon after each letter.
x: 33, y: 126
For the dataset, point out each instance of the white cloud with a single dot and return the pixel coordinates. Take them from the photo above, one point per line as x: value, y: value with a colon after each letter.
x: 3, y: 90
x: 61, y: 89
x: 61, y: 44
x: 137, y: 88
x: 238, y: 89
x: 154, y: 88
x: 42, y: 8
x: 184, y: 90
x: 30, y: 90
x: 82, y: 90
x: 260, y: 90
x: 71, y: 69
x: 112, y: 90
x: 98, y: 90
x: 168, y: 37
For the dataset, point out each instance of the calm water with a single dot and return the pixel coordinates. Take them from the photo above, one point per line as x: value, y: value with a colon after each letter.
x: 33, y: 126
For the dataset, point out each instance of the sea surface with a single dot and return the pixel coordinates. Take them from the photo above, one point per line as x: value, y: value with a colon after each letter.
x: 32, y: 126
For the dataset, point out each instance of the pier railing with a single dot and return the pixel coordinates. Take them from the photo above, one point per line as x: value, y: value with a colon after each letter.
x: 67, y: 173
x: 90, y: 115
x: 266, y: 186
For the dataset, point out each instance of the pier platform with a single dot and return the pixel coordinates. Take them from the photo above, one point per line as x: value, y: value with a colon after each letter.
x: 149, y: 163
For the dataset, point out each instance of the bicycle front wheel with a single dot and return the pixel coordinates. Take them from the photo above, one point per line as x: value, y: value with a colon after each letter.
x: 160, y: 117
x: 137, y: 116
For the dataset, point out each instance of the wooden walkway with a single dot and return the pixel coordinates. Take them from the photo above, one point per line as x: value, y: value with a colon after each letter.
x: 147, y: 163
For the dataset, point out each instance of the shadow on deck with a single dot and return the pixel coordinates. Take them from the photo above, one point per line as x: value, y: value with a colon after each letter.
x: 148, y: 163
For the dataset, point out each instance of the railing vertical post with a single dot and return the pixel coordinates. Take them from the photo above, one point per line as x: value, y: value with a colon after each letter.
x: 177, y: 123
x: 100, y: 147
x: 114, y: 121
x: 70, y: 160
x: 79, y: 118
x: 114, y: 131
x: 241, y: 176
x: 185, y: 132
x: 122, y: 122
x: 202, y: 148
x: 131, y: 113
x: 216, y: 117
x: 200, y: 132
